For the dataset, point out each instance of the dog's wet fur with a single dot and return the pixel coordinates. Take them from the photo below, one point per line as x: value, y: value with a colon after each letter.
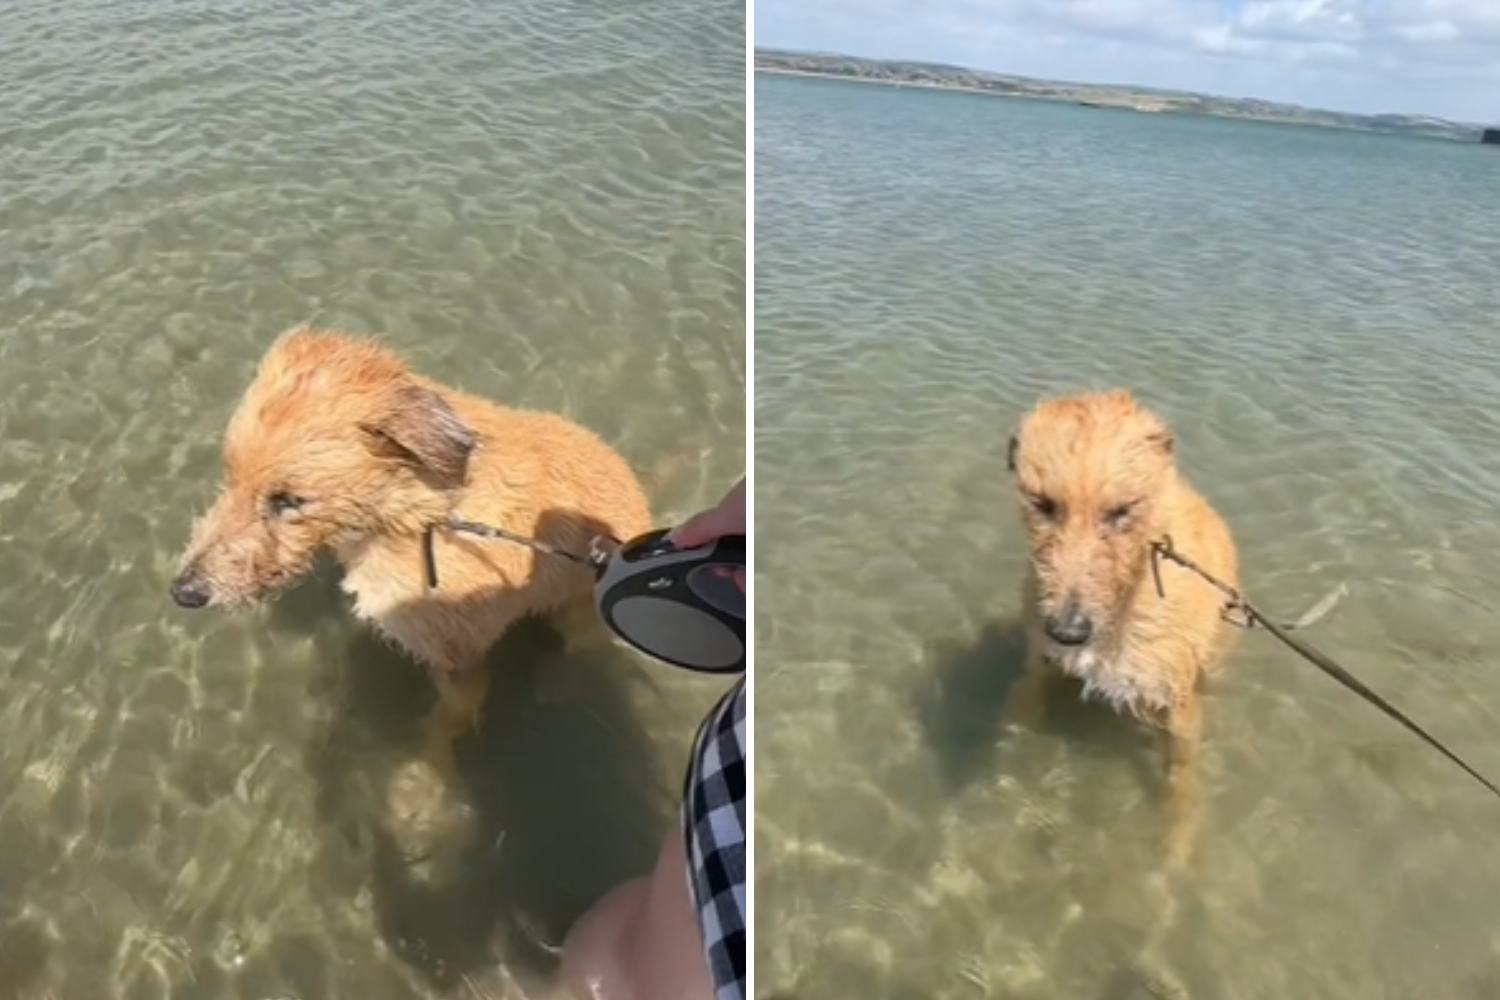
x: 338, y: 446
x: 1098, y: 484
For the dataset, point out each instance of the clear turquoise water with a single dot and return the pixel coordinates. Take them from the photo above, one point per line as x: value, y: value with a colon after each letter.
x: 1316, y: 312
x: 540, y: 202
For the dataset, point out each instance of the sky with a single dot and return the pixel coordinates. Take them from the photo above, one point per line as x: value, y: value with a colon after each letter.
x: 1432, y: 57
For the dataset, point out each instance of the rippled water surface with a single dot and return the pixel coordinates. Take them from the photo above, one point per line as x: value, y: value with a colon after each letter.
x: 539, y: 202
x: 1316, y: 312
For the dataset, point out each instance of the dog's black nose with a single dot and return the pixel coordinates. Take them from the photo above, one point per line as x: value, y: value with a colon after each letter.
x: 1071, y: 628
x: 190, y: 591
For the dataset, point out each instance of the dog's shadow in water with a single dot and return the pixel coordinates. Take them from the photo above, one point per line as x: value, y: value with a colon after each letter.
x: 962, y: 698
x: 562, y: 779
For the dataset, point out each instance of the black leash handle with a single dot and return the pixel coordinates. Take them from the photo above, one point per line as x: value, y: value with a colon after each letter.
x: 1164, y: 550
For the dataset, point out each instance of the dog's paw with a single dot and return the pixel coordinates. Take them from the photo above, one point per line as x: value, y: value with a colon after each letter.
x: 1153, y: 980
x: 426, y: 815
x: 1026, y: 703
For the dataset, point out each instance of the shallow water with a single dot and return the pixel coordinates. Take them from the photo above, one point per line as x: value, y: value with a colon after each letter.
x: 1315, y: 313
x: 539, y: 202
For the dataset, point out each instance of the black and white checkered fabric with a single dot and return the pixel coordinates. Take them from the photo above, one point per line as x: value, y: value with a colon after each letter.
x: 714, y: 823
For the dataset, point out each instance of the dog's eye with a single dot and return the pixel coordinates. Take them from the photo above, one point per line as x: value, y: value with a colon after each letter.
x: 1044, y: 506
x: 282, y: 503
x: 1118, y: 515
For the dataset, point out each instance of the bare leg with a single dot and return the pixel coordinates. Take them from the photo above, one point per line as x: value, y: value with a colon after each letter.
x: 1184, y: 731
x: 641, y: 941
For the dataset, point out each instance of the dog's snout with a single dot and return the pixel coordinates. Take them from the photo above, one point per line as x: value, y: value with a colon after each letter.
x: 189, y: 590
x: 1071, y: 627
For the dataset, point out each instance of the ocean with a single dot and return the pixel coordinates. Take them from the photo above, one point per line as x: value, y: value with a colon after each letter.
x: 539, y: 202
x: 1315, y: 312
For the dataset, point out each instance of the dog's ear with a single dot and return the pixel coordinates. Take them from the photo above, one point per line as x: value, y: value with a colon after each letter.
x: 1010, y: 454
x: 420, y: 429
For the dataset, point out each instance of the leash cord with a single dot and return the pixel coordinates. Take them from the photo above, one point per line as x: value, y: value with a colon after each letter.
x: 460, y: 526
x: 1236, y: 602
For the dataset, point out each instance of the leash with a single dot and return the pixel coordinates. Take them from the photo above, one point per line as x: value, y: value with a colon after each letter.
x: 1252, y: 617
x: 594, y: 560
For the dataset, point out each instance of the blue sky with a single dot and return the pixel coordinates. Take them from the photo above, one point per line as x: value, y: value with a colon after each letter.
x: 1437, y: 57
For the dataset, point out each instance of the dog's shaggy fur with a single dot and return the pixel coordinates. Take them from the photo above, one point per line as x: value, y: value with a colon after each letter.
x: 1098, y: 485
x: 337, y: 445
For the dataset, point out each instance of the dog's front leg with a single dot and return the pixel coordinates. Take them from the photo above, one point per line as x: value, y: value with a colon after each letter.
x: 1184, y: 732
x: 458, y: 712
x: 461, y: 696
x: 1026, y: 704
x: 583, y: 630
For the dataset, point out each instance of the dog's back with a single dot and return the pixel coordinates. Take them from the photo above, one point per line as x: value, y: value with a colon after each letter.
x: 1189, y: 611
x: 338, y: 445
x: 531, y: 473
x: 540, y: 475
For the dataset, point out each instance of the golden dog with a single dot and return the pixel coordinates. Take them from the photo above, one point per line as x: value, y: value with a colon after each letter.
x: 337, y: 446
x: 1098, y: 485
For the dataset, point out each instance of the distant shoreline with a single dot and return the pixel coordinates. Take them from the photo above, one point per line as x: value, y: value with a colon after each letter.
x: 1100, y: 102
x: 958, y: 88
x: 929, y: 76
x: 955, y: 88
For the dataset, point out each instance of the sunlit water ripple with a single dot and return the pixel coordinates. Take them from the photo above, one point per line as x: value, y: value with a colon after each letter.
x: 539, y: 202
x: 1315, y: 313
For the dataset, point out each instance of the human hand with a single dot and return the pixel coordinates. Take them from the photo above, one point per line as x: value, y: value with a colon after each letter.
x: 727, y: 518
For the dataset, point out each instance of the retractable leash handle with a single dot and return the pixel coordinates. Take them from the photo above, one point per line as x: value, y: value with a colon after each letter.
x: 681, y: 606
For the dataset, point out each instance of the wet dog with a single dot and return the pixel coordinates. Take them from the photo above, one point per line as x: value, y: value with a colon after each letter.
x: 338, y: 446
x: 1098, y: 484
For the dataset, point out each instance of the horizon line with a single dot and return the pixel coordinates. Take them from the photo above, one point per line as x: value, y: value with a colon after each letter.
x: 1123, y: 86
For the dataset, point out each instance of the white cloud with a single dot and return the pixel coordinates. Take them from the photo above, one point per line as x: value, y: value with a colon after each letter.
x: 1443, y: 53
x: 1300, y: 21
x: 1467, y: 31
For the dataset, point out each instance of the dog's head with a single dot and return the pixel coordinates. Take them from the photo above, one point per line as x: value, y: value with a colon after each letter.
x: 334, y: 438
x: 1093, y: 472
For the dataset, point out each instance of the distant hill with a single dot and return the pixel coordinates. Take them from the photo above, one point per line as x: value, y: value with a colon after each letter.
x: 1145, y: 99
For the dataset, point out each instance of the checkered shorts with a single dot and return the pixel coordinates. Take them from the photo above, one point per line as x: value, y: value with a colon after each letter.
x: 714, y: 823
